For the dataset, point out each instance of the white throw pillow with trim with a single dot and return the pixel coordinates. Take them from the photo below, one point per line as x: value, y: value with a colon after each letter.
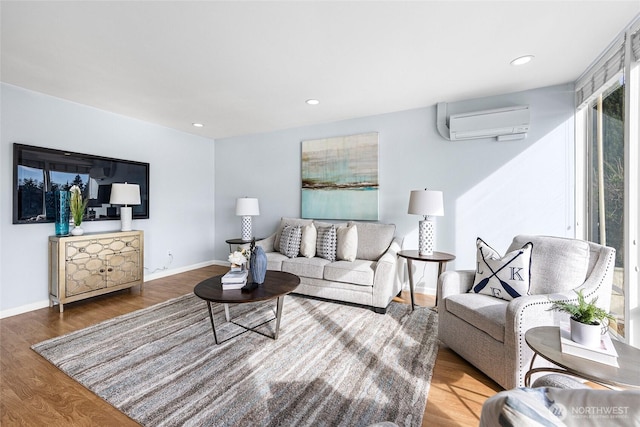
x: 505, y: 277
x: 347, y: 245
x: 308, y: 243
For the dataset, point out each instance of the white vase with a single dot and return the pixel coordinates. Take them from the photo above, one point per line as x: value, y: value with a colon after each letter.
x: 77, y: 231
x: 587, y: 335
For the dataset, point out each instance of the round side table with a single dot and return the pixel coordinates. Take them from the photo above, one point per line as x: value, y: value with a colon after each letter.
x: 238, y: 241
x: 442, y: 258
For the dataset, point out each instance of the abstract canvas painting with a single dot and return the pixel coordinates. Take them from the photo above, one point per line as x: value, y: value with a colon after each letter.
x: 340, y: 177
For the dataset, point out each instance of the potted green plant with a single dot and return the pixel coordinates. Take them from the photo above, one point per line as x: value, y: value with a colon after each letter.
x: 587, y: 319
x: 77, y: 209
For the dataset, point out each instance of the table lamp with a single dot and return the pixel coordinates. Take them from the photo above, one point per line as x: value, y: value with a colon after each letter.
x: 125, y: 194
x: 247, y: 207
x: 429, y: 204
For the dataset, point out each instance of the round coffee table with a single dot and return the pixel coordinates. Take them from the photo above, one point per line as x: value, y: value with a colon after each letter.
x: 276, y: 285
x: 545, y: 342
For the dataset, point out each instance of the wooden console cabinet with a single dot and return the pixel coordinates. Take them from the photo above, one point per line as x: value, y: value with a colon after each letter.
x: 94, y: 264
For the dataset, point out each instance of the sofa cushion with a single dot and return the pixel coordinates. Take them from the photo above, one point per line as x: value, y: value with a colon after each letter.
x: 274, y: 260
x: 373, y: 239
x: 557, y: 264
x: 308, y: 242
x: 326, y: 243
x: 283, y: 223
x: 329, y: 224
x: 482, y: 311
x: 504, y: 277
x: 290, y: 240
x: 347, y: 242
x: 358, y: 272
x: 305, y: 267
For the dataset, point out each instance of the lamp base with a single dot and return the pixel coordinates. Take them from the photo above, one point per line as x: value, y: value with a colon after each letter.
x: 125, y: 218
x: 426, y: 237
x: 246, y: 228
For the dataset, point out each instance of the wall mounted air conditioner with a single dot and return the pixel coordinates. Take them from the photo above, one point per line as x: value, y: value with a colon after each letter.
x: 508, y: 123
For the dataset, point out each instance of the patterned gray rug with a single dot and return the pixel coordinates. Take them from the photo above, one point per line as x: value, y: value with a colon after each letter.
x: 331, y: 365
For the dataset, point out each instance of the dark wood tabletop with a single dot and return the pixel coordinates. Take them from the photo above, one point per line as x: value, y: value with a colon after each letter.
x: 545, y: 341
x: 435, y: 257
x: 276, y: 284
x: 239, y: 241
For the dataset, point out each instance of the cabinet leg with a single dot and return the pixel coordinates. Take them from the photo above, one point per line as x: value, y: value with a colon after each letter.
x: 61, y: 307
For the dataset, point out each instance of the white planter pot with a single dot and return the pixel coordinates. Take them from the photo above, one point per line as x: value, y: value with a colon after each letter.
x: 587, y: 335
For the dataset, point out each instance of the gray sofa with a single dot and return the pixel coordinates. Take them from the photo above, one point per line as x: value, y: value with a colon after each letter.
x: 371, y: 279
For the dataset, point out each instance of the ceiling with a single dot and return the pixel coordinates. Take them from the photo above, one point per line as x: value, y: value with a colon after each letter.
x: 248, y: 67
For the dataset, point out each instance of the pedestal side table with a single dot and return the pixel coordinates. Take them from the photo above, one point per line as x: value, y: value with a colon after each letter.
x: 239, y: 241
x: 442, y: 258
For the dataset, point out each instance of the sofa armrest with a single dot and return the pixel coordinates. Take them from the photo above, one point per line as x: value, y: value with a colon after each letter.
x: 267, y: 243
x: 525, y: 313
x: 391, y: 255
x: 529, y: 311
x: 454, y: 282
x: 386, y: 283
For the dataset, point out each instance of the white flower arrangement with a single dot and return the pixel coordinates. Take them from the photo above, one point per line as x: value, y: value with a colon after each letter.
x: 238, y: 257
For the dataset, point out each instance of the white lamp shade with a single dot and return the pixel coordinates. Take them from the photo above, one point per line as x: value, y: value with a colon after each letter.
x: 246, y: 206
x: 426, y: 203
x: 125, y: 194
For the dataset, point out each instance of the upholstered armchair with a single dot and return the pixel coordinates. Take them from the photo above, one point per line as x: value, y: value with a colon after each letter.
x: 489, y: 332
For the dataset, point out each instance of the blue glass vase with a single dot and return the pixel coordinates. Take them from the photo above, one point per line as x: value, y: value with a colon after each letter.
x: 63, y: 212
x: 258, y: 265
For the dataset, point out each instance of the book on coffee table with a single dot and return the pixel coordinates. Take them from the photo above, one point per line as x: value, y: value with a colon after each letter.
x: 228, y: 286
x: 604, y: 353
x: 235, y: 277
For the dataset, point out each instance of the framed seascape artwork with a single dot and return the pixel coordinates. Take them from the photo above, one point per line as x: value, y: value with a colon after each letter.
x: 340, y: 177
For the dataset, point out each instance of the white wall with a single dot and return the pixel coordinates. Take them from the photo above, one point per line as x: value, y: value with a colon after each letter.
x: 181, y: 189
x: 492, y: 189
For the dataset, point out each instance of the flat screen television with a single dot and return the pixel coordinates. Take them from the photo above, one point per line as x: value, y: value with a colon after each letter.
x: 38, y: 172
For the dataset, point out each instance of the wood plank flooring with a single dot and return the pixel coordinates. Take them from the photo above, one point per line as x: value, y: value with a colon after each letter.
x: 33, y: 392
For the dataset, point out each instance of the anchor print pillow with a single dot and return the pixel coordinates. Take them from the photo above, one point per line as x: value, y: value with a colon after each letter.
x: 505, y: 277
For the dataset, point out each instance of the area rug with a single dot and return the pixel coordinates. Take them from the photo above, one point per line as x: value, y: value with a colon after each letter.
x: 332, y: 364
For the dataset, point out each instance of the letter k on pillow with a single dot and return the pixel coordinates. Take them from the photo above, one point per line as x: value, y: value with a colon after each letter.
x: 506, y: 277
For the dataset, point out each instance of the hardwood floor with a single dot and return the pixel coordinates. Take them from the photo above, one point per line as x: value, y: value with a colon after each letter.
x: 33, y: 392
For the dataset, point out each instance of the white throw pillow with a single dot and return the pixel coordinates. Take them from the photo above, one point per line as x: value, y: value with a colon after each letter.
x: 506, y: 277
x: 308, y: 243
x: 347, y: 246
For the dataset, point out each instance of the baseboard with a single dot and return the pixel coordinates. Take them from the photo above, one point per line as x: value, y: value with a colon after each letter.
x: 147, y: 278
x: 24, y: 309
x: 420, y: 290
x: 171, y: 272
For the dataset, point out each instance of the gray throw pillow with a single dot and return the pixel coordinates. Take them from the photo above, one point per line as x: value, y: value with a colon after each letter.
x: 290, y: 240
x: 326, y: 243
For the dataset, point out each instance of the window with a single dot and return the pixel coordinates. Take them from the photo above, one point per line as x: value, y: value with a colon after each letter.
x: 605, y: 186
x: 607, y: 177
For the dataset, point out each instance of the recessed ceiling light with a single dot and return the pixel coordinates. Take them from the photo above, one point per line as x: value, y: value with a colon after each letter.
x: 312, y: 101
x: 198, y: 125
x: 522, y: 60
